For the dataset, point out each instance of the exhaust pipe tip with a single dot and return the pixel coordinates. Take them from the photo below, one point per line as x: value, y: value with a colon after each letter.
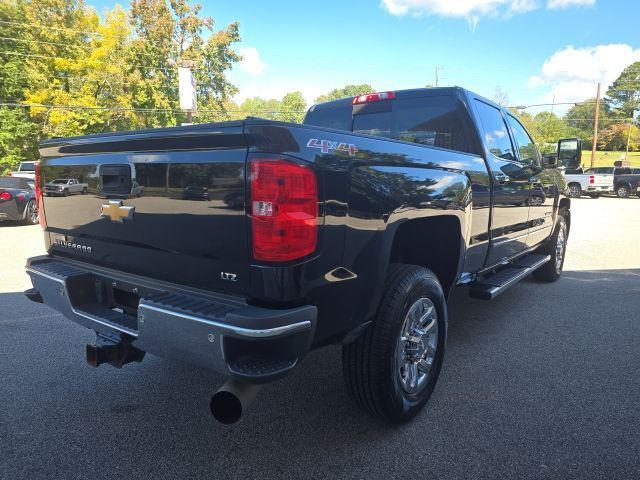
x: 231, y: 400
x: 225, y: 407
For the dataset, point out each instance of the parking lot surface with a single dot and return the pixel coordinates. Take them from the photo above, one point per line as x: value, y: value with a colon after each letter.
x: 543, y: 382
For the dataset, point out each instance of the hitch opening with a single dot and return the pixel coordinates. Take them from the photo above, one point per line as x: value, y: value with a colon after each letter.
x: 114, y: 352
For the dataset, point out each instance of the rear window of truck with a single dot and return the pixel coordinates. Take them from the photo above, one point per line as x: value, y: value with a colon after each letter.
x: 429, y: 120
x: 27, y: 167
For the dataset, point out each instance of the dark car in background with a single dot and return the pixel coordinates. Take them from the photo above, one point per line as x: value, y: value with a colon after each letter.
x: 196, y: 193
x: 626, y: 181
x: 18, y: 200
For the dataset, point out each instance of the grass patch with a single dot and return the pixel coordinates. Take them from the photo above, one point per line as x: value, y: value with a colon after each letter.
x: 606, y: 159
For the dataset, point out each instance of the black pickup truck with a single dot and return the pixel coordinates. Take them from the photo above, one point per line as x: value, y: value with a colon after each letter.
x: 626, y: 181
x: 352, y: 228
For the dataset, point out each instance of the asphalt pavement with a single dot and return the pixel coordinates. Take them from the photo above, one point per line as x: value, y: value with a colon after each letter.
x: 543, y: 382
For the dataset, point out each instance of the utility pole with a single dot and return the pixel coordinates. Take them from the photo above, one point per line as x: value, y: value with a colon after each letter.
x: 595, y: 129
x: 626, y: 155
x: 437, y: 75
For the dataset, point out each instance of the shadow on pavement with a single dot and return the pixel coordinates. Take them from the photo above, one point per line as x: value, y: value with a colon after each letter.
x: 541, y: 382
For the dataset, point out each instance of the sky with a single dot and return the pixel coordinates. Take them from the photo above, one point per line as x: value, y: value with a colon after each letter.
x: 535, y: 51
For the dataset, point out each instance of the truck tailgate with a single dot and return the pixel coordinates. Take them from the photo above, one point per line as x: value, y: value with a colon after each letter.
x: 168, y: 203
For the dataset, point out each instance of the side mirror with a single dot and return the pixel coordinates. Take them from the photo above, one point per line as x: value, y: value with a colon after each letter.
x: 549, y: 161
x: 570, y: 153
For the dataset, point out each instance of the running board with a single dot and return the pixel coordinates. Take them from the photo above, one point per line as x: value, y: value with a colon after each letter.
x: 490, y: 286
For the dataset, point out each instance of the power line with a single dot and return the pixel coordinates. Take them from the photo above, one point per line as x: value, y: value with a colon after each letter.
x: 28, y: 40
x: 50, y: 27
x: 133, y: 109
x: 25, y: 40
x: 34, y: 55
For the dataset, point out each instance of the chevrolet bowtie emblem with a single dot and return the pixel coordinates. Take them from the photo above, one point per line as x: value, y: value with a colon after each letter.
x: 117, y: 212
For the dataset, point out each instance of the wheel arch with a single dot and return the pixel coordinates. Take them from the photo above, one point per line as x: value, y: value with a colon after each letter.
x: 415, y: 243
x: 564, y: 208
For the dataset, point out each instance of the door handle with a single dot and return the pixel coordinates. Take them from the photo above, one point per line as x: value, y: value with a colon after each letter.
x: 500, y: 178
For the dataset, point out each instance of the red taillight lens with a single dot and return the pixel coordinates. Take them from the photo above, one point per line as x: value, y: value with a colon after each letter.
x: 284, y: 210
x: 592, y: 179
x: 5, y: 196
x: 373, y: 97
x: 41, y: 217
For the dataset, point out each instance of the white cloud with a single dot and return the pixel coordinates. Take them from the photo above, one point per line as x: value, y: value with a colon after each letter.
x: 553, y: 4
x: 251, y: 61
x: 473, y: 10
x: 571, y: 74
x: 459, y: 8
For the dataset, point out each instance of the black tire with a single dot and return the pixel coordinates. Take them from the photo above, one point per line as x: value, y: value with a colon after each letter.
x: 623, y: 191
x: 84, y: 191
x: 575, y: 190
x: 31, y: 213
x: 536, y: 200
x: 371, y: 372
x: 551, y: 271
x: 65, y: 192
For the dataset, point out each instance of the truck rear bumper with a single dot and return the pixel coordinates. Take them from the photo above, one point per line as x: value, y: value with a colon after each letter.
x: 218, y: 332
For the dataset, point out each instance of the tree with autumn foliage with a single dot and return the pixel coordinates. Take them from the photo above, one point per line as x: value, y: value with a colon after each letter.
x: 80, y: 73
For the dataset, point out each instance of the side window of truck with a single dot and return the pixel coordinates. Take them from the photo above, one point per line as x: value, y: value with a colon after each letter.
x: 495, y: 133
x: 428, y: 120
x: 528, y: 151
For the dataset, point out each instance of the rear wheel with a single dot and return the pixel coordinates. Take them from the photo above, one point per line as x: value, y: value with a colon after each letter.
x: 84, y: 191
x: 65, y: 192
x: 31, y: 213
x: 623, y: 191
x: 575, y: 190
x: 392, y: 369
x: 556, y: 248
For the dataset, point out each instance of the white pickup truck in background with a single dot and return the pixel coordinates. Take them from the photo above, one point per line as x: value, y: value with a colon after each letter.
x: 65, y: 187
x: 589, y: 182
x: 25, y: 170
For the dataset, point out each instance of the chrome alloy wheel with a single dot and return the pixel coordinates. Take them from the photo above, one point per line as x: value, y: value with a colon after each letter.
x: 32, y: 212
x: 575, y: 191
x: 416, y: 349
x: 560, y: 243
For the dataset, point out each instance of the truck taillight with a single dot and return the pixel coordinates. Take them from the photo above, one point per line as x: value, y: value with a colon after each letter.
x: 5, y: 196
x: 284, y: 209
x: 592, y: 179
x: 38, y: 178
x: 373, y: 97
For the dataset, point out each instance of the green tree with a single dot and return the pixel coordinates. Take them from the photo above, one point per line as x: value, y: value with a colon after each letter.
x: 12, y: 78
x: 550, y: 128
x: 18, y: 138
x: 528, y: 121
x: 346, y: 91
x: 624, y: 94
x: 260, y: 107
x: 18, y: 135
x: 580, y: 119
x: 292, y: 108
